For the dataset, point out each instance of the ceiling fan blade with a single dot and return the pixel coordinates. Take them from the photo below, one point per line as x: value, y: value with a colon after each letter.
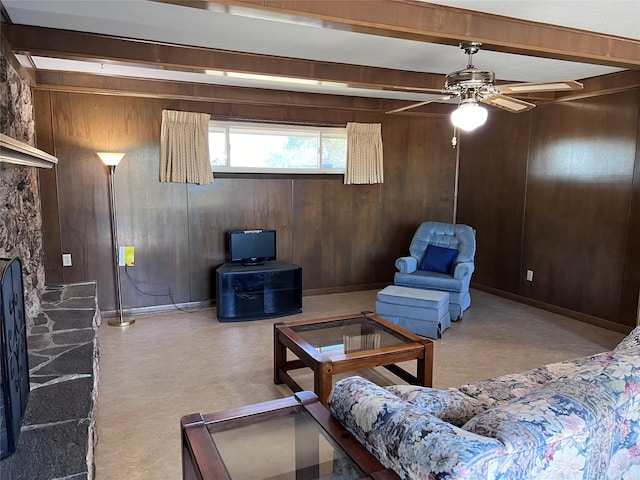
x: 419, y: 104
x: 515, y: 88
x: 510, y: 104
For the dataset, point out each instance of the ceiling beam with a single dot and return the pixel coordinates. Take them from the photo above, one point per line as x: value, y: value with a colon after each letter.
x: 432, y: 23
x: 85, y: 46
x: 603, y: 85
x: 135, y: 87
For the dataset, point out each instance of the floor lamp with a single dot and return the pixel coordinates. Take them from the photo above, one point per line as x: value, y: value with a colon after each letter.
x: 112, y: 160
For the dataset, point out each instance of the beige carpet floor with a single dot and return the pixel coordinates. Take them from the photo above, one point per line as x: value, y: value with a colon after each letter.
x: 170, y: 364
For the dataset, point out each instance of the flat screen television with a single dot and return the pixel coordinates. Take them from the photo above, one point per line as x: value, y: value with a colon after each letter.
x: 252, y: 247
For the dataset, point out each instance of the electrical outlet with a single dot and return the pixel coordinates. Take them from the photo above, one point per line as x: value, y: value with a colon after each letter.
x: 529, y: 275
x: 66, y: 260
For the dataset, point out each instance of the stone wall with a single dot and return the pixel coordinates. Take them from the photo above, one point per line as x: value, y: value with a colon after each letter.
x: 20, y: 218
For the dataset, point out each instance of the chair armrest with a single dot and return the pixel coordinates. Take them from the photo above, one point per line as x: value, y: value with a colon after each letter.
x: 407, y: 264
x: 463, y: 270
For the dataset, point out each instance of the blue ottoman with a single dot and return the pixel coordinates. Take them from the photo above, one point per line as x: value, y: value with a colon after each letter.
x: 424, y: 312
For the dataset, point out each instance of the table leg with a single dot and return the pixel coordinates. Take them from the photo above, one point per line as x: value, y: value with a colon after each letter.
x: 425, y: 367
x: 279, y: 354
x: 323, y: 381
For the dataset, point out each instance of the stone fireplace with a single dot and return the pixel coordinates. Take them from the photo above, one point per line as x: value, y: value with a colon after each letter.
x: 57, y: 437
x: 20, y: 218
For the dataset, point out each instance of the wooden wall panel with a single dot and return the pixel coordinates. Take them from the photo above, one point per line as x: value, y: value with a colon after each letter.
x: 152, y: 216
x: 493, y: 166
x: 578, y: 202
x: 308, y: 230
x: 48, y: 184
x: 233, y: 204
x: 531, y: 196
x: 630, y: 302
x: 419, y: 178
x: 335, y: 231
x: 80, y: 131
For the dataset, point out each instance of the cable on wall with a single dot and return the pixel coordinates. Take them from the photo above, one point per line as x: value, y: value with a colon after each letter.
x: 169, y: 294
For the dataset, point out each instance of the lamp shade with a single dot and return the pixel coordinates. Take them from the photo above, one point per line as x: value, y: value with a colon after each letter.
x: 469, y: 115
x: 111, y: 158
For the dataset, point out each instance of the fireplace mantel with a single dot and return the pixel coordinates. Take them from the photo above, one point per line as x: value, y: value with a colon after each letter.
x: 14, y: 151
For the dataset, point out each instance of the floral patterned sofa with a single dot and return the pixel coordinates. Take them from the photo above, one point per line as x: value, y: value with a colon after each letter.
x: 578, y: 419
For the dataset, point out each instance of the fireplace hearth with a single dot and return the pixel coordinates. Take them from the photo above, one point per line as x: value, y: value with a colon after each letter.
x: 58, y: 429
x: 14, y: 363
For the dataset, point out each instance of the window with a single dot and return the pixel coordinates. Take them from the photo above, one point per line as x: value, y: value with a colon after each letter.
x: 269, y: 148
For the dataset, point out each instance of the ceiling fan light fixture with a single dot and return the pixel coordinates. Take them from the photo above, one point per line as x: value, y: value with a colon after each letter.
x: 469, y: 115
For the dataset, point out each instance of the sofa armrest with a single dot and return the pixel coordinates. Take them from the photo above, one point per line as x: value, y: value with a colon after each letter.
x: 349, y: 395
x: 402, y: 435
x: 407, y: 264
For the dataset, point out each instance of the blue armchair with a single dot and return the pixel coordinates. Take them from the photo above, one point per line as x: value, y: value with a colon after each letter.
x: 446, y: 266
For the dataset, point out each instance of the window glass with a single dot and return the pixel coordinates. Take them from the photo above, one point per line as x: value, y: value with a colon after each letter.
x: 217, y: 147
x: 245, y: 147
x: 334, y: 152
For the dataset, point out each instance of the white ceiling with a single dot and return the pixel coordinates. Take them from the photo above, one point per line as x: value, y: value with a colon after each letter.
x: 226, y: 28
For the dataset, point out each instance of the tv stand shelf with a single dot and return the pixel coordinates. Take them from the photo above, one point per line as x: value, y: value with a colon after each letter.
x: 254, y: 292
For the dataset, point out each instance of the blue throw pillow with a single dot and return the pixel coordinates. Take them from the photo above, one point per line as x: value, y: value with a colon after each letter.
x: 438, y: 259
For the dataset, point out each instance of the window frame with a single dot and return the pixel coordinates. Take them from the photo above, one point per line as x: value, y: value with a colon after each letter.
x: 319, y: 132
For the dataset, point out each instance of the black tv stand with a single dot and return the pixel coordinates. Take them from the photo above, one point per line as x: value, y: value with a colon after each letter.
x: 253, y: 292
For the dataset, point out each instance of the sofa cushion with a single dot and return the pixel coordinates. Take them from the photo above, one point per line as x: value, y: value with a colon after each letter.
x: 572, y: 426
x: 405, y: 437
x: 552, y: 431
x: 413, y: 297
x: 428, y: 280
x: 493, y: 391
x: 449, y: 405
x: 438, y: 259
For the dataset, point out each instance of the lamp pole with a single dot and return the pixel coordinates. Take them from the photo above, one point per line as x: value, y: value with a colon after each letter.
x: 112, y: 160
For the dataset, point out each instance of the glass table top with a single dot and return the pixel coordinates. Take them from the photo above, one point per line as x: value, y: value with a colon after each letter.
x: 281, y: 446
x: 358, y: 334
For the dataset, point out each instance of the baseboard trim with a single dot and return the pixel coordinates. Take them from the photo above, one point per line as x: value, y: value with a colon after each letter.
x: 194, y: 306
x: 212, y: 303
x: 583, y: 317
x: 343, y: 289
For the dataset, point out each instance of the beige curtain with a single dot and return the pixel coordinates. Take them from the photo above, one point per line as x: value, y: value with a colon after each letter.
x: 364, y: 153
x: 184, y: 148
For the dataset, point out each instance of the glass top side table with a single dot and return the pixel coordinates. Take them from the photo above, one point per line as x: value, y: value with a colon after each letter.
x: 347, y: 343
x: 293, y: 438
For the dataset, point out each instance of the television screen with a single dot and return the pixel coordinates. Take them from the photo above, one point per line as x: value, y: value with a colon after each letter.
x: 252, y: 247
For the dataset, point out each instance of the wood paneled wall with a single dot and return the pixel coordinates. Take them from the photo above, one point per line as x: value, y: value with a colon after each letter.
x: 558, y: 194
x: 344, y: 236
x: 555, y: 190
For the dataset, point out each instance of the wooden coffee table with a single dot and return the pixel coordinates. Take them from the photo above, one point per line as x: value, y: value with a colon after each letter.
x: 290, y: 438
x: 335, y: 345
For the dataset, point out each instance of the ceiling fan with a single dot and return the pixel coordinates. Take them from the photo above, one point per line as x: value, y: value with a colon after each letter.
x: 475, y: 85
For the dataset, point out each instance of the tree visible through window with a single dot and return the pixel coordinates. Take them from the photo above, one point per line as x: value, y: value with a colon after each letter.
x: 242, y: 147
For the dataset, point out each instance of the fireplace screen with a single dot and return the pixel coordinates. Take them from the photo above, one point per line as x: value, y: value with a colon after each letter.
x: 14, y: 362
